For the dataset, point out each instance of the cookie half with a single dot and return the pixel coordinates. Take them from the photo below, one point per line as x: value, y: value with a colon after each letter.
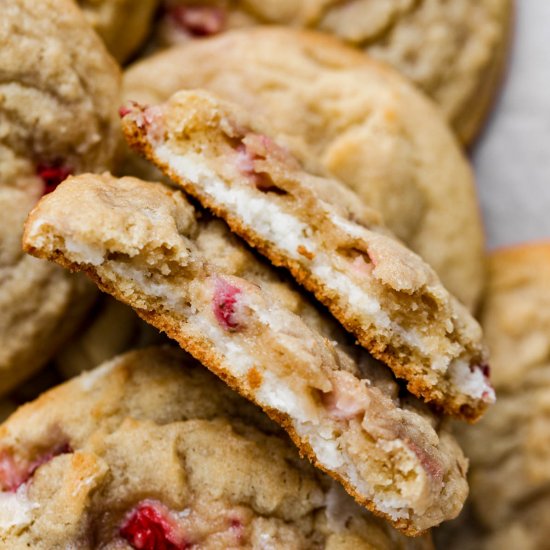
x: 455, y: 52
x: 151, y: 451
x: 341, y: 111
x: 383, y: 293
x: 58, y: 92
x: 142, y: 243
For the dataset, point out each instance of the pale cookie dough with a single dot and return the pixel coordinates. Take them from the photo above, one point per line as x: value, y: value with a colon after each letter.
x: 142, y: 243
x: 455, y: 51
x: 362, y: 122
x: 380, y: 291
x: 509, y: 449
x: 58, y: 96
x: 122, y: 24
x: 150, y: 451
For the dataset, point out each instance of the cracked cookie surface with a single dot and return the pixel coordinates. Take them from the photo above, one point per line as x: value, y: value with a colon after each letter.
x: 150, y: 451
x: 58, y: 95
x: 351, y: 117
x: 454, y: 51
x: 143, y: 243
x: 378, y: 289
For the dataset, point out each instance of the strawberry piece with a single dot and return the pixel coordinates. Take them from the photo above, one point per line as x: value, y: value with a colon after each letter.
x: 484, y: 368
x: 150, y: 526
x: 52, y: 175
x: 198, y: 20
x: 225, y: 305
x: 430, y: 464
x: 123, y: 111
x: 13, y: 475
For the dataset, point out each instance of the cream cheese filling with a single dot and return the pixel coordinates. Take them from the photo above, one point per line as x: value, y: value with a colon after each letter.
x: 275, y: 225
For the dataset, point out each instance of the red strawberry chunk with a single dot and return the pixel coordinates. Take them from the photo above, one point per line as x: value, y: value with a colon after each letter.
x: 199, y: 20
x: 52, y: 175
x: 151, y: 526
x: 123, y: 111
x: 14, y: 474
x: 225, y: 305
x: 429, y: 462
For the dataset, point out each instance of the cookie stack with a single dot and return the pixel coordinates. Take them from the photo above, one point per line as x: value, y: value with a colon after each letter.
x: 298, y: 217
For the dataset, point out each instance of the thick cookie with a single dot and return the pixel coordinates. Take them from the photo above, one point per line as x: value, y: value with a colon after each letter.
x: 151, y: 451
x: 142, y: 243
x: 58, y: 95
x: 510, y: 448
x: 455, y: 51
x: 383, y: 293
x: 122, y: 24
x: 362, y: 122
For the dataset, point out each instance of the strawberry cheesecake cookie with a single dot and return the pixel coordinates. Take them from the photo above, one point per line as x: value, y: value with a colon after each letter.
x: 142, y: 242
x: 379, y: 290
x: 58, y: 93
x: 454, y: 51
x: 345, y: 114
x: 122, y: 24
x: 510, y: 448
x: 150, y: 451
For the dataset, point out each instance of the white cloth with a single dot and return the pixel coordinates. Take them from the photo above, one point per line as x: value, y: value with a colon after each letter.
x: 512, y: 157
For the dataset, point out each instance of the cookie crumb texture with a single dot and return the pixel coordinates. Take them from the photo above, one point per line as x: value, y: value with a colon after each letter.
x: 383, y: 293
x: 142, y: 242
x: 454, y: 51
x: 159, y: 454
x: 58, y: 93
x: 346, y: 115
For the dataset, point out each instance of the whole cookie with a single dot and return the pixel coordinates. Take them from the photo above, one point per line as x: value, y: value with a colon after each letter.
x: 360, y: 120
x: 122, y: 24
x: 58, y: 97
x: 169, y: 458
x: 454, y: 51
x: 509, y: 449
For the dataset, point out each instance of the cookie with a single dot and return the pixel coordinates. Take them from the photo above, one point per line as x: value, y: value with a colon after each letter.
x: 362, y: 122
x: 510, y: 448
x: 122, y: 24
x: 384, y: 294
x: 111, y: 328
x: 170, y: 458
x: 142, y: 243
x: 57, y: 115
x: 455, y: 52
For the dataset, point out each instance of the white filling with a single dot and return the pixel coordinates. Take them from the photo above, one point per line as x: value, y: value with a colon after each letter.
x: 16, y: 509
x: 84, y: 253
x: 270, y: 221
x: 471, y: 382
x: 165, y: 291
x: 266, y: 217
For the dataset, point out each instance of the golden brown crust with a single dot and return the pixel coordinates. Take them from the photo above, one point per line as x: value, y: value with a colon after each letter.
x: 154, y: 415
x: 200, y: 351
x: 466, y: 409
x: 153, y: 218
